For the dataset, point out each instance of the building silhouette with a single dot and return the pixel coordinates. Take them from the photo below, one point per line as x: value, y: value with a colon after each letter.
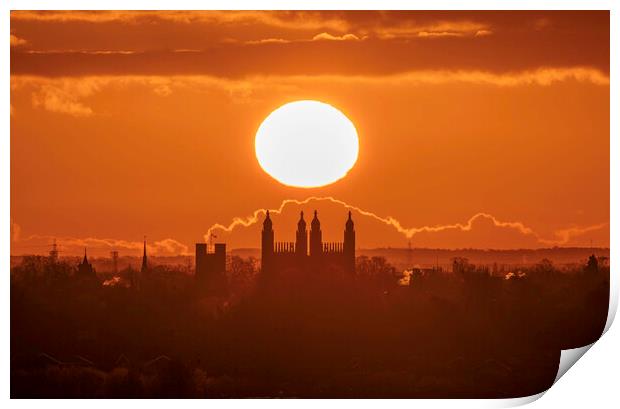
x: 145, y: 265
x: 54, y: 252
x: 85, y: 269
x: 308, y: 252
x: 114, y: 256
x: 211, y: 268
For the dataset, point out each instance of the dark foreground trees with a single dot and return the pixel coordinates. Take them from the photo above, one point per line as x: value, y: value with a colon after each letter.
x: 447, y: 334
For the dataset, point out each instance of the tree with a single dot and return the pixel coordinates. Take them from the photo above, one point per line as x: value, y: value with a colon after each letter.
x: 592, y: 266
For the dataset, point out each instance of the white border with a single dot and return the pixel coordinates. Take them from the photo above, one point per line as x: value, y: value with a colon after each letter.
x: 603, y: 373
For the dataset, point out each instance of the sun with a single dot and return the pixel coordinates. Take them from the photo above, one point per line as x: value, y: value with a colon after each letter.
x: 307, y: 144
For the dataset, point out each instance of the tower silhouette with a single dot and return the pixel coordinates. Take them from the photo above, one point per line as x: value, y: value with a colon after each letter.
x: 279, y: 257
x: 211, y: 268
x: 85, y: 268
x: 114, y: 255
x: 316, y: 237
x: 349, y: 244
x: 54, y: 252
x: 144, y: 261
x: 267, y: 240
x: 301, y: 237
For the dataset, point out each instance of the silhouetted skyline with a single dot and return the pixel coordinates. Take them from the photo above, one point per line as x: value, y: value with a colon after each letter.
x: 338, y: 204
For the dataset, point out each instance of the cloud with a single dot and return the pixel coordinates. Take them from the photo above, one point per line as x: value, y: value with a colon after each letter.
x: 15, y: 231
x: 269, y: 41
x: 85, y: 52
x: 168, y: 247
x: 330, y: 37
x: 482, y: 230
x: 383, y: 25
x: 483, y: 33
x: 572, y: 234
x: 297, y: 20
x: 76, y: 245
x: 387, y: 25
x: 315, y: 55
x: 68, y: 95
x: 64, y: 97
x: 439, y: 34
x: 319, y: 37
x: 390, y: 221
x: 421, y: 40
x: 456, y: 28
x: 16, y: 41
x: 540, y: 76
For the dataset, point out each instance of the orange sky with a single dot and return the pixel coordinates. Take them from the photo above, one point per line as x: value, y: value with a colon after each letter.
x: 477, y: 129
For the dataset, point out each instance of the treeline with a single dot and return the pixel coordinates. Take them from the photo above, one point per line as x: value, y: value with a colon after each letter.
x: 465, y: 333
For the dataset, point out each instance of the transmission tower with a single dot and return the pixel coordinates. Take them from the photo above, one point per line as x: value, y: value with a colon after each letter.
x: 114, y: 255
x: 54, y: 251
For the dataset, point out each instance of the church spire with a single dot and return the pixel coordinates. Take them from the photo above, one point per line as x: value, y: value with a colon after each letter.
x: 316, y: 224
x: 348, y: 246
x: 301, y: 224
x: 349, y: 224
x: 316, y: 237
x: 85, y: 269
x: 144, y: 264
x: 267, y: 243
x: 267, y: 223
x: 301, y: 237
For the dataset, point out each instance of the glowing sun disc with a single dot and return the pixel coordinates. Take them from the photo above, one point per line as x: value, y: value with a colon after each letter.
x: 306, y: 144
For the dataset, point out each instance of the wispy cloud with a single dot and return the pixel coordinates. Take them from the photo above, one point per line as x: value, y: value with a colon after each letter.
x: 466, y: 234
x: 16, y: 41
x: 346, y: 25
x: 86, y: 52
x: 76, y: 245
x: 483, y: 33
x: 457, y: 28
x: 294, y: 20
x: 269, y: 41
x: 65, y: 98
x: 562, y: 237
x: 331, y: 37
x: 15, y: 231
x: 68, y: 95
x: 299, y: 20
x: 435, y: 34
x: 324, y: 36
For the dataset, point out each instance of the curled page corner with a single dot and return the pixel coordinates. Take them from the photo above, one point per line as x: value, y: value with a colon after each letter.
x: 613, y: 301
x: 568, y: 358
x: 514, y: 402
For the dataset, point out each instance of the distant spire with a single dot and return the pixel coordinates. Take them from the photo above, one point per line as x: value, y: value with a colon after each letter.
x: 267, y: 223
x: 85, y: 261
x: 349, y: 223
x: 316, y: 224
x: 301, y: 225
x: 144, y: 264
